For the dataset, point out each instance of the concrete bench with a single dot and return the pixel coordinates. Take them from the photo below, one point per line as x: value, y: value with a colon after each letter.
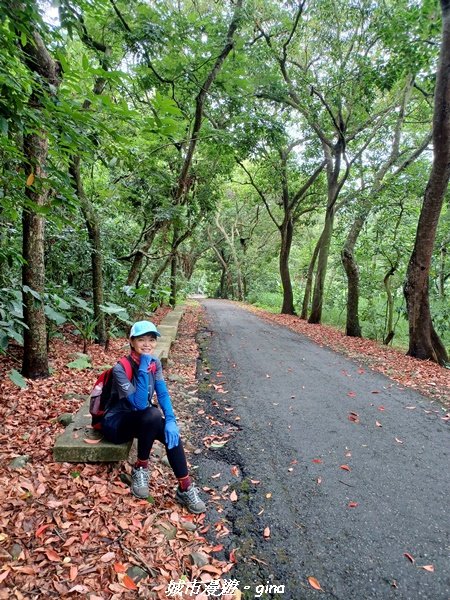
x: 71, y: 446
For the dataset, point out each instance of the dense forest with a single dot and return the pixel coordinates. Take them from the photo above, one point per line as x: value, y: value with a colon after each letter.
x: 290, y: 154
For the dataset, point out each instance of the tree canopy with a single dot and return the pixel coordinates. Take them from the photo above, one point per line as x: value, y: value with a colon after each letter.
x: 272, y: 152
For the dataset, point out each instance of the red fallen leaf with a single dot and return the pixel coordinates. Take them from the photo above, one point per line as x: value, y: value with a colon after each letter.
x: 317, y: 460
x: 409, y: 557
x: 120, y: 568
x: 127, y: 582
x: 73, y: 572
x: 429, y: 568
x: 345, y: 467
x: 233, y: 496
x: 217, y: 548
x: 84, y: 537
x: 40, y: 530
x: 233, y: 556
x: 381, y: 408
x: 352, y: 416
x: 378, y: 424
x: 352, y: 504
x: 53, y: 556
x: 201, y: 411
x: 314, y: 583
x: 235, y: 471
x: 89, y: 441
x: 266, y: 532
x: 361, y: 371
x: 4, y: 575
x: 351, y: 394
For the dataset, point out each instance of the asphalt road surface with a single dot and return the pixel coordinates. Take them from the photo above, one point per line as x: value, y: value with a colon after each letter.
x: 306, y: 412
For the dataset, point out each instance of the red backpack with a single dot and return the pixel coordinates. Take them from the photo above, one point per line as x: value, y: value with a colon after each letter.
x: 101, y: 392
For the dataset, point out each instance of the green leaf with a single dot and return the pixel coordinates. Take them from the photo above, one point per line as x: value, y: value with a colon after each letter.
x: 23, y: 39
x: 17, y: 378
x: 79, y: 363
x: 28, y: 290
x: 85, y: 62
x: 55, y: 316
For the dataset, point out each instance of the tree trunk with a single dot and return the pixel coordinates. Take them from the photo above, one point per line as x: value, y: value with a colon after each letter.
x: 390, y: 306
x: 424, y: 343
x: 309, y: 281
x: 286, y: 231
x: 35, y: 358
x: 139, y: 256
x: 173, y: 280
x: 322, y: 262
x: 352, y: 327
x: 39, y: 61
x: 93, y: 228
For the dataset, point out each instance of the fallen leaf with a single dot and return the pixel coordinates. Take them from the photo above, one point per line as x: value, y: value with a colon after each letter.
x: 266, y: 532
x: 108, y: 557
x: 314, y: 583
x: 409, y: 557
x: 399, y: 441
x: 90, y: 441
x: 233, y: 496
x: 4, y: 575
x: 216, y: 476
x: 30, y: 179
x: 120, y: 568
x: 381, y: 408
x: 352, y: 416
x: 429, y: 568
x: 317, y: 460
x: 128, y: 583
x: 351, y: 394
x: 345, y: 467
x: 73, y: 572
x: 235, y: 471
x: 53, y: 556
x: 255, y: 481
x: 40, y: 530
x: 319, y: 480
x: 352, y: 504
x: 269, y: 495
x: 378, y: 424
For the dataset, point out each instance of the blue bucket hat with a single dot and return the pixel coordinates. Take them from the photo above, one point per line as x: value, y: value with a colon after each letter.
x: 142, y: 328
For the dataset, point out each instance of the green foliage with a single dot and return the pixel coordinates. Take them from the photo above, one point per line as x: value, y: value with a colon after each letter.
x: 17, y: 379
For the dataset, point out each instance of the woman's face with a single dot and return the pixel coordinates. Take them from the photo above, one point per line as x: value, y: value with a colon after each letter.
x: 145, y: 344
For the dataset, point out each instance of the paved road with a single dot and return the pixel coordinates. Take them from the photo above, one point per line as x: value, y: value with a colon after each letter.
x: 295, y: 401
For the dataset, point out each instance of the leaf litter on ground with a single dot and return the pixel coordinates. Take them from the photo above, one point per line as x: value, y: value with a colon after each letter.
x: 68, y: 529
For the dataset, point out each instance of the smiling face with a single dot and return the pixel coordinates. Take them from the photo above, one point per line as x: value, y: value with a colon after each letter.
x: 144, y: 344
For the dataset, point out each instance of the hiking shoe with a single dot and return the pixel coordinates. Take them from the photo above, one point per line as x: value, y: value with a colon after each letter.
x: 191, y: 500
x: 139, y: 482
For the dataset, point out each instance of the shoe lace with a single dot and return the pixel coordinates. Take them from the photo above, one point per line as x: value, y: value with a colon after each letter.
x: 193, y: 495
x: 140, y: 477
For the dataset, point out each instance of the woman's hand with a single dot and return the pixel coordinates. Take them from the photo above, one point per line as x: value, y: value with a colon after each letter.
x: 172, y: 434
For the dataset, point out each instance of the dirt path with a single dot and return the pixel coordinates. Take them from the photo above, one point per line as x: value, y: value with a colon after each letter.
x: 353, y: 468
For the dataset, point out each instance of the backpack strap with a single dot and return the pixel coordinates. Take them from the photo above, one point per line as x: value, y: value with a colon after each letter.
x: 126, y: 364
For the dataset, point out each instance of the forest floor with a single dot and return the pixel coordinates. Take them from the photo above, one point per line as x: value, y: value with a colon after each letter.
x: 74, y: 529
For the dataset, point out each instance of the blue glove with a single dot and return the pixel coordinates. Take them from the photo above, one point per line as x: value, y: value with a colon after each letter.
x: 172, y: 434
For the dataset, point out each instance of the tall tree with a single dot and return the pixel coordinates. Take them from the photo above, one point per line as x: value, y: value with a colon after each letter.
x: 424, y: 342
x: 35, y: 150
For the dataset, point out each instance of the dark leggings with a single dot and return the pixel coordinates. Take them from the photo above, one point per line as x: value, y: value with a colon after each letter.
x: 147, y: 426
